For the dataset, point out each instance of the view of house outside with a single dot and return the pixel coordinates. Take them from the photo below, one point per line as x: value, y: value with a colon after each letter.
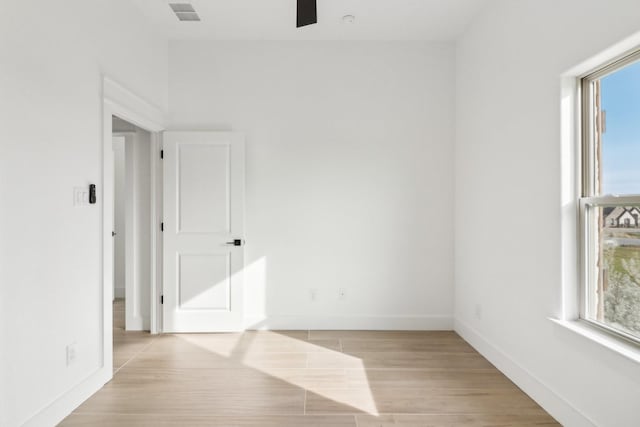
x: 619, y: 302
x: 618, y: 292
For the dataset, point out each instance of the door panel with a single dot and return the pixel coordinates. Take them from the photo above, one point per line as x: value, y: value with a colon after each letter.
x: 204, y: 208
x: 197, y: 273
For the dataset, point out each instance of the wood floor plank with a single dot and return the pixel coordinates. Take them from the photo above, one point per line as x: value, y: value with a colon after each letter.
x: 120, y: 358
x: 134, y: 345
x: 232, y: 379
x: 306, y: 379
x: 431, y: 378
x: 211, y: 360
x: 385, y: 335
x: 421, y: 401
x: 153, y: 420
x: 220, y: 402
x: 466, y: 420
x: 398, y: 359
x: 415, y: 345
x: 240, y: 344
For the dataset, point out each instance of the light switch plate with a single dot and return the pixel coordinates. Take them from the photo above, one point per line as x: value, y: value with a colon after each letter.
x: 80, y: 196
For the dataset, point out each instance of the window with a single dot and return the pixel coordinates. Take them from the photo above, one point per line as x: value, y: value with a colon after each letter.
x: 610, y: 197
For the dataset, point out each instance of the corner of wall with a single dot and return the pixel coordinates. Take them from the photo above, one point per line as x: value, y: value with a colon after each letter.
x: 542, y: 393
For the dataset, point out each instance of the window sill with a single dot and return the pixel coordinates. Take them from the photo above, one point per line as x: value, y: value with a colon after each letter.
x: 617, y: 345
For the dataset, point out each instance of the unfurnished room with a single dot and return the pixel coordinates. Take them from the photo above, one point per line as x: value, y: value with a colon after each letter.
x: 305, y: 213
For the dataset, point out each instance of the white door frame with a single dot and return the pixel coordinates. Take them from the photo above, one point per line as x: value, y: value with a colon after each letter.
x: 128, y: 106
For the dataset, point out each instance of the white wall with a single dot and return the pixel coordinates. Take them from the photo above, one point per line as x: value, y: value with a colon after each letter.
x: 507, y: 158
x: 349, y: 174
x: 52, y: 59
x: 119, y: 218
x: 138, y: 228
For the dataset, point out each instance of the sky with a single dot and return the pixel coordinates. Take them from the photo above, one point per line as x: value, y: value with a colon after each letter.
x: 621, y: 141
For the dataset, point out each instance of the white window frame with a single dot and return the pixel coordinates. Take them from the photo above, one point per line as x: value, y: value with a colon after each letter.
x: 588, y: 200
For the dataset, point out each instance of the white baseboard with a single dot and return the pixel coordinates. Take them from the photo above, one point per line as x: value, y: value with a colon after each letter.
x: 65, y: 404
x: 545, y: 396
x: 305, y: 322
x: 119, y: 292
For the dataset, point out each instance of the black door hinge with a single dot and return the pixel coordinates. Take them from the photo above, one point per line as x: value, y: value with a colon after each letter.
x: 162, y: 226
x: 162, y: 154
x: 161, y: 299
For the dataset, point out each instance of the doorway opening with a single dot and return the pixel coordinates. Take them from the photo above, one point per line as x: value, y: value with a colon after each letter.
x: 134, y: 248
x: 132, y: 223
x: 128, y: 115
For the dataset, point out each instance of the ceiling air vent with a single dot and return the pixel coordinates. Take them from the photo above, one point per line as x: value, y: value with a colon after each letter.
x: 184, y: 11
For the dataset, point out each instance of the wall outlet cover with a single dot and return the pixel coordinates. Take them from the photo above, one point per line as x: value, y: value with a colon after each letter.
x: 72, y: 353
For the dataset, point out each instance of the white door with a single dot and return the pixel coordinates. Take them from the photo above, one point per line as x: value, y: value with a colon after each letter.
x: 203, y: 231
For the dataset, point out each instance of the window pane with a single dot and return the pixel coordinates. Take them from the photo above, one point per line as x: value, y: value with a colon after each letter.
x: 620, y: 131
x: 614, y: 292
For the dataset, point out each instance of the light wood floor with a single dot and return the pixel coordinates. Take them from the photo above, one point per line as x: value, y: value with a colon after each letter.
x: 302, y: 379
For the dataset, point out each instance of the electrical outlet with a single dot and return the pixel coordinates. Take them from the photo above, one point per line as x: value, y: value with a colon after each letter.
x: 478, y: 311
x: 313, y: 295
x: 72, y: 353
x: 342, y: 293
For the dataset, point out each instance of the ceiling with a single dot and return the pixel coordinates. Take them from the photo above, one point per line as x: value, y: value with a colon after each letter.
x: 276, y: 20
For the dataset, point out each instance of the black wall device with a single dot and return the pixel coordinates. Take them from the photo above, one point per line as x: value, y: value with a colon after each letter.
x: 307, y: 13
x: 92, y: 194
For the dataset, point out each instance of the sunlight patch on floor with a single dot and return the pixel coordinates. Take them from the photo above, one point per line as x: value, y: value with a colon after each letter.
x: 330, y: 383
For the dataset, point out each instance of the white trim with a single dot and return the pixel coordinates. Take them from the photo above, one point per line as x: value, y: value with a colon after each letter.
x: 538, y: 390
x: 597, y: 201
x: 570, y: 152
x: 592, y: 333
x: 55, y: 412
x: 155, y: 309
x: 615, y: 52
x: 130, y: 107
x: 575, y: 271
x: 106, y: 245
x: 381, y: 323
x: 126, y: 105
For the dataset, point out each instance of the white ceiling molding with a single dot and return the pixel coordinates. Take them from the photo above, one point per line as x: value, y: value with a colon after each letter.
x: 136, y: 110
